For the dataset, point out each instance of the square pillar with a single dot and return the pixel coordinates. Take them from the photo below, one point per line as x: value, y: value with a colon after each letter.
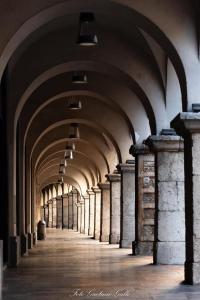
x: 59, y: 212
x: 86, y: 213
x: 127, y: 217
x: 70, y: 210
x: 169, y: 245
x: 97, y: 213
x: 82, y: 229
x: 188, y: 126
x: 54, y: 213
x: 145, y: 199
x: 65, y: 212
x: 75, y: 210
x: 105, y: 212
x: 91, y: 211
x: 115, y: 195
x: 79, y: 216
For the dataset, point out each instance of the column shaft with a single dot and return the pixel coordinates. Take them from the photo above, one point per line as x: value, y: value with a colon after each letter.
x: 87, y: 210
x: 91, y: 211
x: 169, y: 246
x: 65, y: 212
x: 82, y: 229
x: 127, y: 217
x: 70, y: 210
x: 105, y: 211
x: 97, y: 215
x: 75, y: 211
x: 145, y: 199
x: 115, y: 191
x: 188, y: 126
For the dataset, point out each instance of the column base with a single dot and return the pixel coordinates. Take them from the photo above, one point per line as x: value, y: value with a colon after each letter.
x: 75, y: 227
x: 169, y: 253
x: 143, y: 248
x: 104, y: 238
x: 126, y: 244
x: 97, y: 236
x: 34, y: 238
x: 24, y: 244
x: 114, y: 239
x: 192, y: 273
x: 1, y: 267
x: 58, y: 226
x: 30, y: 240
x: 86, y: 231
x: 91, y: 232
x: 14, y: 251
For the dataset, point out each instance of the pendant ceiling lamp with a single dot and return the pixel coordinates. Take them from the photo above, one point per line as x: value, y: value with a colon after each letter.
x: 62, y: 170
x: 87, y: 36
x: 79, y: 78
x: 69, y: 154
x: 70, y: 146
x: 74, y: 131
x: 74, y: 103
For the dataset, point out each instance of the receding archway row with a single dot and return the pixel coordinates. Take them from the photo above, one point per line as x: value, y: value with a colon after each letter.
x: 128, y: 93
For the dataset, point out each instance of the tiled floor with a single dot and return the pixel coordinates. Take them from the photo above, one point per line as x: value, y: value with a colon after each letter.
x: 72, y: 266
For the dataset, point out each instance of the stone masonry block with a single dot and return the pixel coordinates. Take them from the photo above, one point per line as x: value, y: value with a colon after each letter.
x: 171, y: 196
x: 171, y: 226
x: 170, y: 253
x: 171, y: 166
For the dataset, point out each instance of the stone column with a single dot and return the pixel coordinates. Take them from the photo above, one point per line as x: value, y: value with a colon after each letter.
x: 79, y: 216
x: 127, y: 217
x: 188, y: 125
x: 70, y: 210
x: 82, y: 217
x: 169, y: 245
x: 75, y: 210
x: 91, y: 218
x: 145, y: 199
x: 86, y: 213
x: 65, y: 212
x: 97, y: 213
x: 54, y: 213
x: 105, y: 211
x: 115, y: 195
x: 50, y: 221
x: 58, y: 212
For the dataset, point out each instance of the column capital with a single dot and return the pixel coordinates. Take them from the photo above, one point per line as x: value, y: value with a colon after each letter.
x: 96, y: 189
x: 186, y: 122
x: 104, y: 185
x: 115, y: 177
x: 139, y: 149
x: 165, y: 143
x: 90, y: 192
x: 128, y: 167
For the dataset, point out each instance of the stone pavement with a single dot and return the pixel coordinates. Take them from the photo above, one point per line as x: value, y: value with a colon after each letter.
x: 69, y: 265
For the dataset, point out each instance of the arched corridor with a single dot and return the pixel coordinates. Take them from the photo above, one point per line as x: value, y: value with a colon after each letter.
x: 100, y: 132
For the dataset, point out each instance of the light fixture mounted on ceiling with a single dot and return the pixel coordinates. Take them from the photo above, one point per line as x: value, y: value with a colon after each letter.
x: 61, y: 169
x: 74, y: 131
x: 70, y: 146
x: 79, y: 77
x: 87, y: 36
x: 69, y: 154
x: 74, y: 103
